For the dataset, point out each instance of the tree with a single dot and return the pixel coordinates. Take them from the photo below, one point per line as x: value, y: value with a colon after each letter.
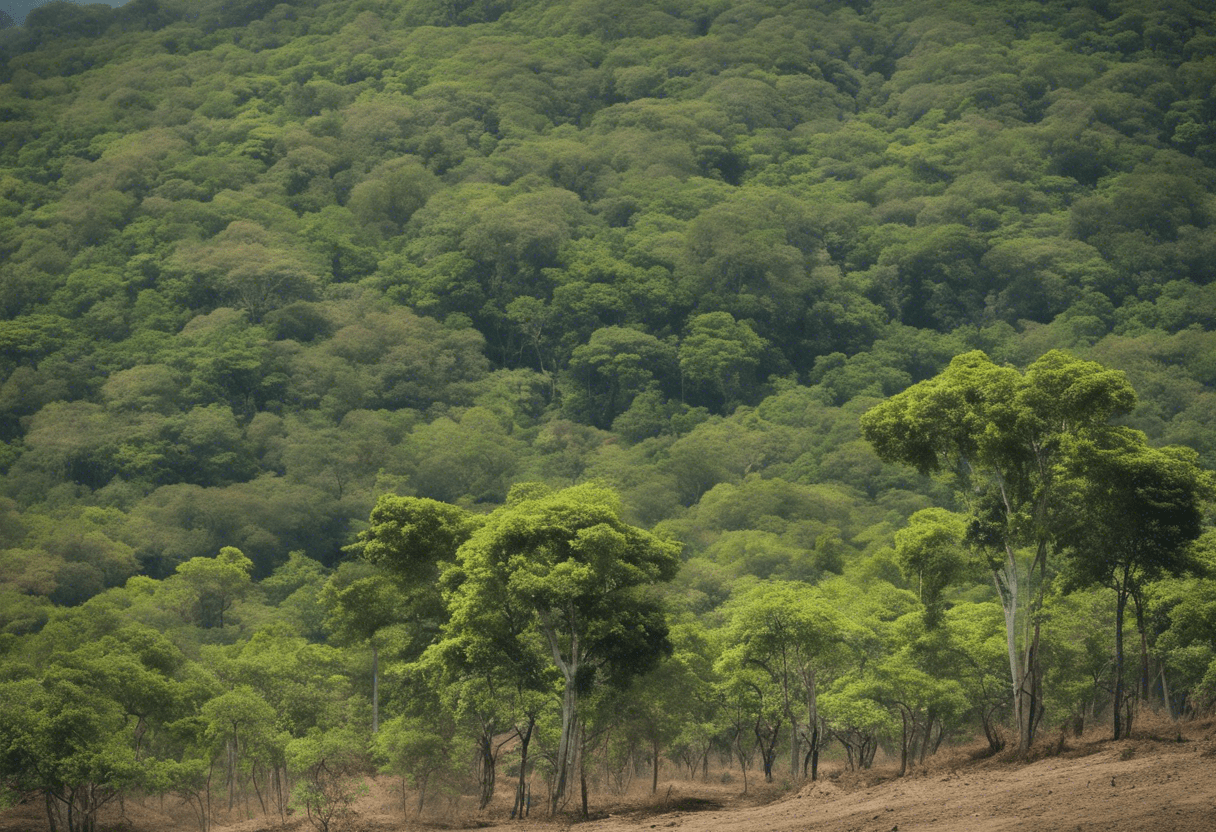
x: 491, y: 672
x: 569, y: 563
x: 408, y: 538
x: 611, y: 369
x: 328, y: 763
x: 977, y: 650
x: 359, y: 611
x: 1133, y: 511
x: 63, y: 737
x: 241, y: 722
x: 216, y: 583
x: 930, y: 551
x: 1000, y: 435
x: 414, y: 749
x: 798, y: 640
x: 720, y: 354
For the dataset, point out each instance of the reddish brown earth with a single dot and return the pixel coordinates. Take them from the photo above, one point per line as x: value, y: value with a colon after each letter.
x: 1160, y: 780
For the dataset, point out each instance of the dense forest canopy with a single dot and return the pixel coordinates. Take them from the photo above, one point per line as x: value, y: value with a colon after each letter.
x: 262, y: 263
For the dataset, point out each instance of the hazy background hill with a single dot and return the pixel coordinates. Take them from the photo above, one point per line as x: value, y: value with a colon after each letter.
x: 263, y: 261
x: 18, y: 9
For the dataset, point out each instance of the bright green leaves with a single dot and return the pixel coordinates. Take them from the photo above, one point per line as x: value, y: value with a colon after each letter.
x: 409, y: 534
x: 1132, y: 511
x: 1003, y: 437
x: 976, y: 413
x: 930, y: 551
x: 564, y: 569
x: 555, y: 552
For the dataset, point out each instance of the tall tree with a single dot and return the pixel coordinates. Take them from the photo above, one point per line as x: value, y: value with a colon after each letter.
x: 797, y: 639
x: 580, y: 574
x: 1001, y: 434
x: 1134, y: 510
x: 408, y: 537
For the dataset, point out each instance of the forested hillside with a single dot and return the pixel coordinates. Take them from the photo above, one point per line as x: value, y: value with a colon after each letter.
x: 263, y: 263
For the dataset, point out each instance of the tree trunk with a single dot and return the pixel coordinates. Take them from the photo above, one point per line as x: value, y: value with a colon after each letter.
x: 487, y: 769
x: 232, y: 771
x: 1165, y: 694
x: 654, y: 780
x: 1120, y: 603
x: 582, y: 780
x: 768, y: 748
x: 795, y: 746
x: 903, y: 744
x: 565, y: 745
x: 930, y: 718
x: 742, y: 759
x: 525, y: 737
x: 1006, y: 582
x: 1144, y: 674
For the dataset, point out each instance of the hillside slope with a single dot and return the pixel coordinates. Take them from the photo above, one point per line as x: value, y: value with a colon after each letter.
x: 1151, y: 781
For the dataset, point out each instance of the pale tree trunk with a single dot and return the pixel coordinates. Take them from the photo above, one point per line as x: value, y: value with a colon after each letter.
x: 742, y: 759
x: 565, y: 746
x: 1006, y: 582
x: 1165, y: 694
x: 566, y: 749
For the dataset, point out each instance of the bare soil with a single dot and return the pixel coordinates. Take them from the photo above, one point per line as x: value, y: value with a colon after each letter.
x: 1162, y: 779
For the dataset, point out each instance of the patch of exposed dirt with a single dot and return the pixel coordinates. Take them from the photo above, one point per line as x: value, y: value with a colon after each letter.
x: 1163, y: 780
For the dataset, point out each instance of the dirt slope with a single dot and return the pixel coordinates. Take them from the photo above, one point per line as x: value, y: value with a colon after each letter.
x: 1162, y: 787
x: 1163, y: 782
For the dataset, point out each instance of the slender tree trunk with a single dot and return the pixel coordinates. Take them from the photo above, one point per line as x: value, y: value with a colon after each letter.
x: 930, y: 718
x: 232, y: 771
x: 654, y: 779
x: 1165, y: 694
x: 1006, y: 582
x: 520, y: 789
x: 903, y: 744
x: 815, y: 752
x: 1120, y: 603
x: 1144, y: 674
x: 565, y: 746
x: 566, y: 750
x: 582, y: 780
x: 422, y: 781
x: 51, y: 811
x: 742, y: 759
x: 1029, y: 688
x: 795, y: 747
x: 253, y: 774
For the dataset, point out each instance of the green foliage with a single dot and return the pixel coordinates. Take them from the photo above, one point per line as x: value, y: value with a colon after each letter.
x: 328, y: 765
x: 263, y: 264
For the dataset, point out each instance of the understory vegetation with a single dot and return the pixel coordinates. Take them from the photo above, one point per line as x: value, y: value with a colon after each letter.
x: 544, y: 387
